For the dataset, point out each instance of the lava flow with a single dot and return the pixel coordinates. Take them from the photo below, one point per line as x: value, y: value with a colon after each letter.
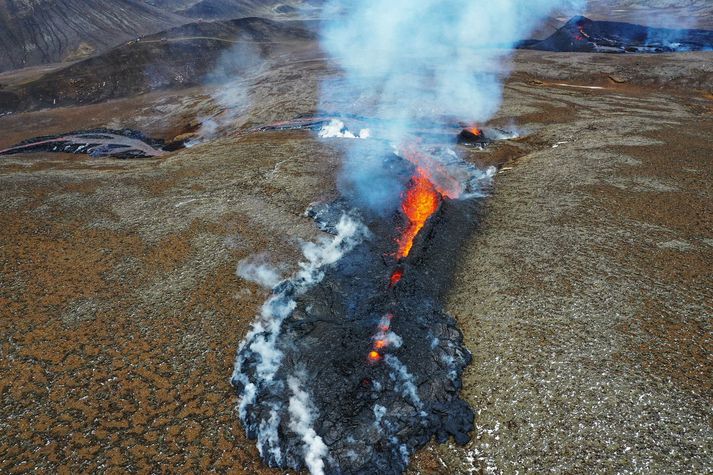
x: 364, y: 351
x: 421, y: 200
x: 582, y: 36
x: 419, y: 203
x: 396, y: 277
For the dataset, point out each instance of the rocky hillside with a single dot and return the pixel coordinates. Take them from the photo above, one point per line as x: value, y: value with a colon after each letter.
x: 210, y: 9
x: 655, y: 13
x: 228, y: 9
x: 36, y: 32
x: 181, y: 57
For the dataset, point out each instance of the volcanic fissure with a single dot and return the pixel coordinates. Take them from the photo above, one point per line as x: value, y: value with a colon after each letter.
x: 361, y: 331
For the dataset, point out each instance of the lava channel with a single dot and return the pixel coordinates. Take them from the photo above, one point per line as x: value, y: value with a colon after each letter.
x: 354, y: 366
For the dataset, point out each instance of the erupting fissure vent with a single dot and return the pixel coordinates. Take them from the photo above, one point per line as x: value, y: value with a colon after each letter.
x: 396, y: 276
x: 420, y: 201
x: 582, y: 36
x: 353, y: 364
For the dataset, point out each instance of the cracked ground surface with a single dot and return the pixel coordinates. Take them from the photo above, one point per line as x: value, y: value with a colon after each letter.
x: 585, y: 298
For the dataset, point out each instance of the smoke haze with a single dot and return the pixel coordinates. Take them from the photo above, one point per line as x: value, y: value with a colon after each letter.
x: 231, y: 79
x: 257, y: 269
x: 430, y: 58
x: 406, y: 61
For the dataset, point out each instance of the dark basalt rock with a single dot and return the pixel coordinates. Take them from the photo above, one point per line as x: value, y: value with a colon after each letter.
x: 327, y: 215
x: 468, y: 138
x: 9, y: 102
x: 371, y: 415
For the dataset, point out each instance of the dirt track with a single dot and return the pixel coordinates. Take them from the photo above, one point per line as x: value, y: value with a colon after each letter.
x: 585, y: 299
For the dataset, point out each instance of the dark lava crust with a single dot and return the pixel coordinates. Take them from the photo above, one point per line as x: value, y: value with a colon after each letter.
x: 371, y: 416
x: 98, y: 142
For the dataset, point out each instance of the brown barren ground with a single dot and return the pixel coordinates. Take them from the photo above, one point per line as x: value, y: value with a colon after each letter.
x: 585, y: 298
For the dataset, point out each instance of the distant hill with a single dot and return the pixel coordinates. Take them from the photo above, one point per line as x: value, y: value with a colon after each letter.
x: 655, y: 13
x: 675, y: 14
x: 210, y: 9
x: 181, y: 57
x: 581, y: 34
x: 36, y: 32
x: 690, y: 14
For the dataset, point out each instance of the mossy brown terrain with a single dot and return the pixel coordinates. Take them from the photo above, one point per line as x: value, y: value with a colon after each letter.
x: 585, y: 297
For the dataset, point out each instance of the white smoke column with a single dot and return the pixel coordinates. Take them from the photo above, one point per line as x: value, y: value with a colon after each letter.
x: 268, y: 438
x: 404, y: 379
x: 279, y: 306
x: 406, y: 60
x: 379, y: 413
x: 428, y: 57
x: 328, y: 251
x: 302, y: 416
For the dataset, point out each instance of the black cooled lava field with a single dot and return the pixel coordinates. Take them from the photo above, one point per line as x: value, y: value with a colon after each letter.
x: 312, y: 384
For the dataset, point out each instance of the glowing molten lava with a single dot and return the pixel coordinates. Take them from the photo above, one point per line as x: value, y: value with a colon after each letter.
x: 582, y: 36
x: 431, y: 183
x: 420, y: 201
x: 475, y: 131
x: 396, y: 277
x: 440, y: 177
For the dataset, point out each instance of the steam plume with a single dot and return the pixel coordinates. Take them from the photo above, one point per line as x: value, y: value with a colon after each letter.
x: 430, y: 58
x: 336, y: 128
x: 256, y: 269
x: 407, y: 60
x: 233, y: 76
x: 302, y: 416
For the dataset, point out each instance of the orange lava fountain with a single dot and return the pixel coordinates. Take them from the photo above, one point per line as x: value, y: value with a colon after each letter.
x: 428, y: 187
x: 421, y: 200
x: 428, y: 167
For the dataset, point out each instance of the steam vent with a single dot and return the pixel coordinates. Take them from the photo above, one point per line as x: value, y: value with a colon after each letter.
x: 370, y: 237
